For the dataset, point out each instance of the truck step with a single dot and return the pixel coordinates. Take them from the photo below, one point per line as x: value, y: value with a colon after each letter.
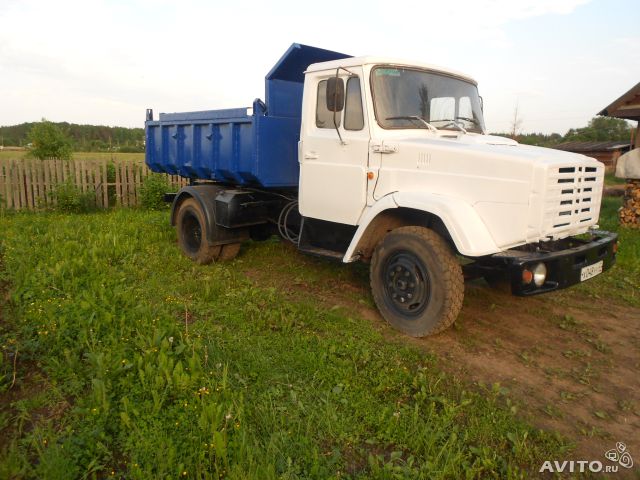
x: 322, y: 252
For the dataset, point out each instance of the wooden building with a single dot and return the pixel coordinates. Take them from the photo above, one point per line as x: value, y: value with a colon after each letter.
x: 605, y: 152
x: 627, y: 107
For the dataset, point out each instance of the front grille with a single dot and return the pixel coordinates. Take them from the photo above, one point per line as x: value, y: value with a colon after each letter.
x: 573, y: 198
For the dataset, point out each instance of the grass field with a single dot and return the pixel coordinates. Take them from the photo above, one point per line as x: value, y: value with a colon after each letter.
x: 130, y: 361
x: 134, y: 362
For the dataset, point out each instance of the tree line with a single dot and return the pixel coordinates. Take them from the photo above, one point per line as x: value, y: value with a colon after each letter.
x: 599, y: 129
x: 80, y: 138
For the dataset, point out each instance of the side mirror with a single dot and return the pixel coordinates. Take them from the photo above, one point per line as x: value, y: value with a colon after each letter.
x: 481, y: 103
x: 335, y: 94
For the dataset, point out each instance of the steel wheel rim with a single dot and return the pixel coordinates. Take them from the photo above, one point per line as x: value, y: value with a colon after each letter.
x: 406, y: 284
x: 192, y: 232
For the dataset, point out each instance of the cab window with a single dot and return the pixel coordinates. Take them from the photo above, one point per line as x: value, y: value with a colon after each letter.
x: 324, y: 118
x: 442, y: 108
x: 353, y: 113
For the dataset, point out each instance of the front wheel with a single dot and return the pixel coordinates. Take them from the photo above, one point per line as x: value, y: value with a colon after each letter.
x: 416, y: 281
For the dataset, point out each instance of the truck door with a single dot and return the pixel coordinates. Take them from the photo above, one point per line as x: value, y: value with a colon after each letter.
x: 333, y: 174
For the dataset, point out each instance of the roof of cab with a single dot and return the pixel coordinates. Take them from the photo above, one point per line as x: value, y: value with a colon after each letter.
x: 370, y: 60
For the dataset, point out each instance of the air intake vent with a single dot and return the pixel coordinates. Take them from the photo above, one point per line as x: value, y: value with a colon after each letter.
x: 572, y: 200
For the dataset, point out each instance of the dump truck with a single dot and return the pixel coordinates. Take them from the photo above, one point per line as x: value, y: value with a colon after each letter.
x: 388, y: 162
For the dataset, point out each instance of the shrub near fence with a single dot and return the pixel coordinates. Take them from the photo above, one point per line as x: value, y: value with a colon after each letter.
x: 29, y: 184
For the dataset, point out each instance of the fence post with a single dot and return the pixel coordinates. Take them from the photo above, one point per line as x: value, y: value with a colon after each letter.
x: 104, y: 171
x: 118, y: 185
x: 3, y: 183
x: 46, y: 164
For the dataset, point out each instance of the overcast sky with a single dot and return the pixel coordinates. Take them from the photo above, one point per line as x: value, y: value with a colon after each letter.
x: 105, y: 61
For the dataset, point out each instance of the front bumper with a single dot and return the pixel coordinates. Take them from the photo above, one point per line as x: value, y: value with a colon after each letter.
x: 564, y: 259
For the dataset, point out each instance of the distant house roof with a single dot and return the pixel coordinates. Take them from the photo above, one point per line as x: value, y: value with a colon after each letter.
x: 627, y: 106
x: 580, y: 147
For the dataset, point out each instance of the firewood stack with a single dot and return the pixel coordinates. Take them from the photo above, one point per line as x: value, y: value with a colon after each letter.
x: 628, y: 167
x: 629, y: 214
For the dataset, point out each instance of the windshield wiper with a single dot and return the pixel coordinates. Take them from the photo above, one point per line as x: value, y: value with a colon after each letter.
x: 415, y: 117
x: 472, y: 120
x: 453, y: 123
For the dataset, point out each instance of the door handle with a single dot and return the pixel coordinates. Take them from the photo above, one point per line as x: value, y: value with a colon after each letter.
x: 311, y: 156
x: 384, y: 148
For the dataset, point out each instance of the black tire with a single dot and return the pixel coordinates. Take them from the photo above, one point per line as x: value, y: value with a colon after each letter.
x: 192, y: 233
x: 416, y: 281
x: 229, y: 251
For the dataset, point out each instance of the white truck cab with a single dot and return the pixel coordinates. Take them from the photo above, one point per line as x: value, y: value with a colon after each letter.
x: 413, y: 135
x: 386, y: 144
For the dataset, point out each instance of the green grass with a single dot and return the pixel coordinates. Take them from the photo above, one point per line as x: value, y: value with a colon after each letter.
x: 135, y: 362
x: 81, y: 155
x: 611, y: 179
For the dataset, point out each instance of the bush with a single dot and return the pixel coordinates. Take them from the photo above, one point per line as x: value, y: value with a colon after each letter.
x: 152, y: 192
x: 70, y: 199
x: 49, y: 141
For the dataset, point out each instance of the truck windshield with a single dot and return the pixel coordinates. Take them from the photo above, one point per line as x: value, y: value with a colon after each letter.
x: 403, y: 95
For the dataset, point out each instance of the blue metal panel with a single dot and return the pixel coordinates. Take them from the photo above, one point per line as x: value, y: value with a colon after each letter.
x: 284, y: 98
x: 151, y: 149
x: 277, y: 151
x: 297, y: 58
x: 167, y: 161
x: 283, y: 84
x: 232, y: 147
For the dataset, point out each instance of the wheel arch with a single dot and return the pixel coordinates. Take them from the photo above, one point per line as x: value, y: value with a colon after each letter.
x: 454, y: 220
x: 206, y: 195
x: 392, y: 218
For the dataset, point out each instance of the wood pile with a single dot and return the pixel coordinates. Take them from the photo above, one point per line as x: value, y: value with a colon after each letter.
x: 629, y: 214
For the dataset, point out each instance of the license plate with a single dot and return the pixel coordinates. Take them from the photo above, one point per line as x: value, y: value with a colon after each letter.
x: 591, y: 271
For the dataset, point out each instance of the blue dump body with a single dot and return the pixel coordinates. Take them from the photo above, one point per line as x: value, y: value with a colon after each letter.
x: 233, y: 147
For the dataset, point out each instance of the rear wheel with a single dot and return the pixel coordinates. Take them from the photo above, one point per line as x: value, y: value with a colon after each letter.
x: 416, y: 281
x: 192, y: 233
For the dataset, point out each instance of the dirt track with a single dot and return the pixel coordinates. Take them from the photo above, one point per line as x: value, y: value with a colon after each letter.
x: 570, y: 363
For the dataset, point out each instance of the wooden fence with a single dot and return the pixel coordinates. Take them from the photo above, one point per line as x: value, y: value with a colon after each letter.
x: 30, y: 183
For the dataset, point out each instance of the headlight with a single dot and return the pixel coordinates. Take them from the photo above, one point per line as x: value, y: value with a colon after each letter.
x: 539, y: 274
